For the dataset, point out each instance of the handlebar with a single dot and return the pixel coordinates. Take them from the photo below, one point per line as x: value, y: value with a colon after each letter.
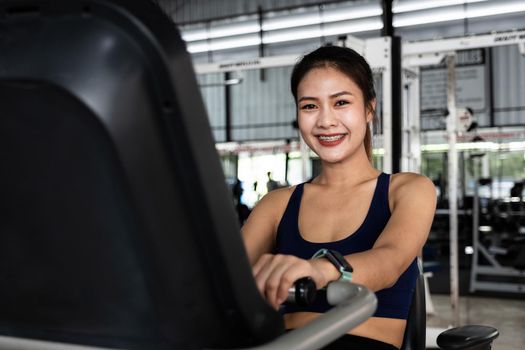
x: 302, y: 293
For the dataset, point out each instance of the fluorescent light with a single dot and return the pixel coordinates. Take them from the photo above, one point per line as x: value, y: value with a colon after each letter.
x: 291, y: 34
x: 197, y: 47
x: 232, y: 43
x: 318, y: 31
x: 194, y: 34
x: 290, y: 21
x: 458, y: 13
x: 352, y: 27
x: 234, y: 29
x: 221, y: 31
x: 432, y: 16
x: 328, y: 15
x: 224, y: 43
x: 496, y: 9
x: 415, y: 5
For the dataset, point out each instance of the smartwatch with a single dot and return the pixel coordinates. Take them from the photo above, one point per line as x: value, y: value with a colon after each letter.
x: 338, y: 261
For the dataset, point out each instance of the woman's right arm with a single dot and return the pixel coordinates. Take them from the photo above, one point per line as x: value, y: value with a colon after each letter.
x: 260, y: 228
x: 275, y: 274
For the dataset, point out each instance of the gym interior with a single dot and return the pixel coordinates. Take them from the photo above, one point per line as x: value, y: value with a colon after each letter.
x: 194, y: 116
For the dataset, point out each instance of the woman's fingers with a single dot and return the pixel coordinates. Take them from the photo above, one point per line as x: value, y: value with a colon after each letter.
x: 275, y: 274
x: 261, y: 271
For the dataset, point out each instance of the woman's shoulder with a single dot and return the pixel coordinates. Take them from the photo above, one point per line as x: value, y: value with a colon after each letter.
x: 412, y: 185
x: 278, y: 196
x: 275, y: 200
x: 269, y: 210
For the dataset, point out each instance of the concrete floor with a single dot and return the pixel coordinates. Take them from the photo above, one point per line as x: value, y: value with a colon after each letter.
x: 507, y: 315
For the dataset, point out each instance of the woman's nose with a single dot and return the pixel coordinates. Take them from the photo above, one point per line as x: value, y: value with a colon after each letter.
x: 327, y: 118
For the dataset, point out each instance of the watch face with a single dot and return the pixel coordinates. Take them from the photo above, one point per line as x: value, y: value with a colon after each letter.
x: 340, y: 260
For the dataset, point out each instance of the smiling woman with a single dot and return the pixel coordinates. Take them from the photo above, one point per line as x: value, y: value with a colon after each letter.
x: 352, y: 222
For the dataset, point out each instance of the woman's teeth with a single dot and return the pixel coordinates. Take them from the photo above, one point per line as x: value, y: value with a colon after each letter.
x: 330, y: 138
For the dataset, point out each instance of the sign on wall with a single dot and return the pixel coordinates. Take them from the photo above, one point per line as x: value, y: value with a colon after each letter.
x: 470, y: 89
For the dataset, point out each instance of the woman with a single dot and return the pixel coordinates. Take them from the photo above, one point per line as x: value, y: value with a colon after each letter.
x: 377, y: 223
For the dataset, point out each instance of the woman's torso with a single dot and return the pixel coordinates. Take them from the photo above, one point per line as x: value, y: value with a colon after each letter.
x: 313, y: 220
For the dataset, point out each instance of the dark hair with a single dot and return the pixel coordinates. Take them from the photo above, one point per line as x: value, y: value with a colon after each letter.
x: 348, y: 62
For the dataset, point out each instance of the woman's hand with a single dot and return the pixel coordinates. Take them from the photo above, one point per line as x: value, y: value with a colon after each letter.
x: 275, y: 274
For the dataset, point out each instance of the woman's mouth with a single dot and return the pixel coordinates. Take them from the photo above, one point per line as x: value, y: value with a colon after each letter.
x: 331, y: 140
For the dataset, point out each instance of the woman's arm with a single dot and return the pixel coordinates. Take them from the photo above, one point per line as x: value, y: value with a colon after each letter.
x: 413, y: 199
x: 260, y: 228
x: 413, y: 203
x: 275, y: 273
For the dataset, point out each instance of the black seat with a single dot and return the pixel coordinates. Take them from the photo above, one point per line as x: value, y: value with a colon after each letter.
x: 415, y: 331
x: 470, y: 337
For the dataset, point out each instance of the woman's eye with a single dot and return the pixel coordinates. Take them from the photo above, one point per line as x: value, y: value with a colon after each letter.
x: 341, y: 103
x: 308, y: 106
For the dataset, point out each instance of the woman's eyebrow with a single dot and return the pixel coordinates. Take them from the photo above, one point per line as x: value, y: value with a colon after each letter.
x: 341, y: 93
x: 337, y: 94
x: 307, y: 98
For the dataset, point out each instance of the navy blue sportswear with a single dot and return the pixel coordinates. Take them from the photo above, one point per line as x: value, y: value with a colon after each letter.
x: 393, y: 302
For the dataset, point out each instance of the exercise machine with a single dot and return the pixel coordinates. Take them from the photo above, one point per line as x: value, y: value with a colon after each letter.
x: 117, y: 229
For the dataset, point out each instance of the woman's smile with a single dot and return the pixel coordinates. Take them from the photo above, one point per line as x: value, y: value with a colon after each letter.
x: 331, y: 140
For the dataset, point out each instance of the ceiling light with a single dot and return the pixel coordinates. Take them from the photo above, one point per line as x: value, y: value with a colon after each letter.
x: 194, y: 34
x: 234, y: 29
x: 495, y: 9
x: 291, y: 21
x: 458, y: 13
x: 415, y: 5
x: 224, y: 43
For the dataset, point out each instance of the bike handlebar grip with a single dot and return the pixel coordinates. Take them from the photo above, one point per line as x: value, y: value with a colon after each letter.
x: 302, y: 293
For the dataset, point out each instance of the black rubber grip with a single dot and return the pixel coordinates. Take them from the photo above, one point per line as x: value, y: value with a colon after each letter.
x: 303, y: 293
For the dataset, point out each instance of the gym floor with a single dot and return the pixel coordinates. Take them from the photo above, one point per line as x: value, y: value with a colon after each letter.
x: 507, y: 315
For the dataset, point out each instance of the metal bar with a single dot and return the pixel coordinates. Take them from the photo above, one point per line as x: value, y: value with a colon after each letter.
x: 262, y: 72
x: 452, y: 185
x: 475, y: 231
x: 490, y: 60
x: 501, y: 287
x: 488, y: 256
x: 388, y: 27
x: 397, y: 100
x: 355, y: 304
x: 500, y: 271
x: 246, y: 64
x: 228, y: 108
x: 463, y: 43
x: 387, y: 96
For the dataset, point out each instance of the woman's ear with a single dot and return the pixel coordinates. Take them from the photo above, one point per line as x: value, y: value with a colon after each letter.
x: 371, y: 110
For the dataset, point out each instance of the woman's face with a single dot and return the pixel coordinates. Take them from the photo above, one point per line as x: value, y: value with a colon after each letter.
x: 331, y: 114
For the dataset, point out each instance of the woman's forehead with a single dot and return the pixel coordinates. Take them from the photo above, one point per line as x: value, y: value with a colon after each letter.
x: 325, y: 79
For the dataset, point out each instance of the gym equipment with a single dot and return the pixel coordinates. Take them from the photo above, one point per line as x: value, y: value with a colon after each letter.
x: 473, y: 337
x: 480, y: 271
x: 117, y: 230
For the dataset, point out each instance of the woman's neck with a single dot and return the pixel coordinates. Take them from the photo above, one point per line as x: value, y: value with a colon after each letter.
x: 348, y: 173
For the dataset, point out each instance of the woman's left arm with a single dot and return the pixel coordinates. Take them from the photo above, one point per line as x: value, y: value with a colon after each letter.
x: 413, y: 204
